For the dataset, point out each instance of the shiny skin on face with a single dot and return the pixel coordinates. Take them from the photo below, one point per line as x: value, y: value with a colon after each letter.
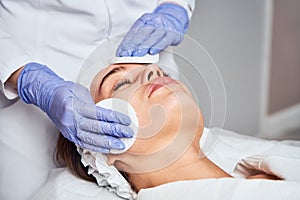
x: 159, y: 101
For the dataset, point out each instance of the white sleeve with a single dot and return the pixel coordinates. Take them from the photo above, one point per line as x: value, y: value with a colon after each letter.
x: 12, y: 57
x: 189, y: 5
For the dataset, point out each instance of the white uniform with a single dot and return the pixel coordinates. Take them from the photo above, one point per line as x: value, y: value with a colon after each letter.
x: 59, y: 34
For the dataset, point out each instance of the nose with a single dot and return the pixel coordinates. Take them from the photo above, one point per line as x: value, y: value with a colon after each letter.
x: 151, y: 72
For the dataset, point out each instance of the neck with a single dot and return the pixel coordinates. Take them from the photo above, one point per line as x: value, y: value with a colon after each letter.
x: 190, y: 166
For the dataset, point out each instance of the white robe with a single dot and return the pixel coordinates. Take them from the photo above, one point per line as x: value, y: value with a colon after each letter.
x: 60, y: 34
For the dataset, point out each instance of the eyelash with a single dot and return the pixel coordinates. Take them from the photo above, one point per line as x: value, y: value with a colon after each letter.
x: 120, y: 84
x: 127, y: 81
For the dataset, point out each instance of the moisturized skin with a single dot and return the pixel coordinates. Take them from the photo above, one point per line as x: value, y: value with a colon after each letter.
x: 159, y: 109
x: 171, y: 124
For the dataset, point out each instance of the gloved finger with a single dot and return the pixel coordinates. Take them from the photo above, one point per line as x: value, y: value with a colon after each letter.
x: 177, y: 37
x: 159, y: 46
x: 112, y: 116
x: 123, y: 47
x: 144, y: 47
x: 140, y: 24
x: 95, y: 148
x: 98, y: 140
x: 103, y: 114
x: 112, y: 129
x: 139, y: 52
x: 171, y: 38
x: 134, y: 38
x: 91, y: 147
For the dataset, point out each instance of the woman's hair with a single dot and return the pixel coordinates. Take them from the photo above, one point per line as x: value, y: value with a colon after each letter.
x: 66, y: 155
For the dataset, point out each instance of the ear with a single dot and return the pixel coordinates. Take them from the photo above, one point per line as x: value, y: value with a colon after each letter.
x: 123, y: 162
x: 111, y: 159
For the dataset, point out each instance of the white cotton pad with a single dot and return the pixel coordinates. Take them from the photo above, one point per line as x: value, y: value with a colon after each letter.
x: 124, y: 107
x: 144, y: 59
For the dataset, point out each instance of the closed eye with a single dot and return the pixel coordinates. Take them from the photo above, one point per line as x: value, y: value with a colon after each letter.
x: 121, y: 83
x: 127, y: 81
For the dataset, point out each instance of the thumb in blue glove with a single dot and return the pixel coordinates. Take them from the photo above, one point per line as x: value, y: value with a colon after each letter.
x: 72, y: 109
x: 155, y: 31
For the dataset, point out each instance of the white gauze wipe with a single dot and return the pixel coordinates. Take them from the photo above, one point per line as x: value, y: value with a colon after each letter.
x: 125, y: 108
x: 144, y: 59
x: 107, y: 175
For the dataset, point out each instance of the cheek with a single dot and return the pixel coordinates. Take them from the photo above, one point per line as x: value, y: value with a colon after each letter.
x: 158, y: 118
x: 138, y: 100
x: 159, y: 124
x: 163, y: 125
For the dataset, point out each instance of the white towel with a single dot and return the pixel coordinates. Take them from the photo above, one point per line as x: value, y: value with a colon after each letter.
x: 224, y: 188
x: 282, y: 167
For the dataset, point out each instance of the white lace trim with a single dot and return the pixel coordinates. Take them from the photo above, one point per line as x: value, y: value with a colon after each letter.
x: 106, y: 176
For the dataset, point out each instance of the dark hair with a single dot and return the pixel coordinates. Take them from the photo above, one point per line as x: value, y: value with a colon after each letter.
x: 66, y: 155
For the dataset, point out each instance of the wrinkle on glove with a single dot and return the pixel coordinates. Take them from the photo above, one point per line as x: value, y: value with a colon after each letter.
x: 153, y: 32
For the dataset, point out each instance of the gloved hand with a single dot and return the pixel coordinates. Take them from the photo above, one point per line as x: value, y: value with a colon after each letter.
x: 155, y: 31
x: 72, y: 110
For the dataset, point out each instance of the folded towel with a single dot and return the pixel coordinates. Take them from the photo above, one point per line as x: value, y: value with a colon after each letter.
x: 285, y: 168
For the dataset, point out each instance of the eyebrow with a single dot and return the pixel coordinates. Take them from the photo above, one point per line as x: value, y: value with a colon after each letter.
x: 110, y: 73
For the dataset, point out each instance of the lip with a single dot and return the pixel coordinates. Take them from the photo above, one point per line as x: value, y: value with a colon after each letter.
x: 160, y: 82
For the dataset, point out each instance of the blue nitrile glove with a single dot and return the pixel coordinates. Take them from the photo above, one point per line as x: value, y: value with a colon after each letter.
x: 72, y: 109
x: 155, y: 31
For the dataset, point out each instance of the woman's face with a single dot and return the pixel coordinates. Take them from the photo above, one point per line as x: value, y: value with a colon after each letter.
x: 164, y: 107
